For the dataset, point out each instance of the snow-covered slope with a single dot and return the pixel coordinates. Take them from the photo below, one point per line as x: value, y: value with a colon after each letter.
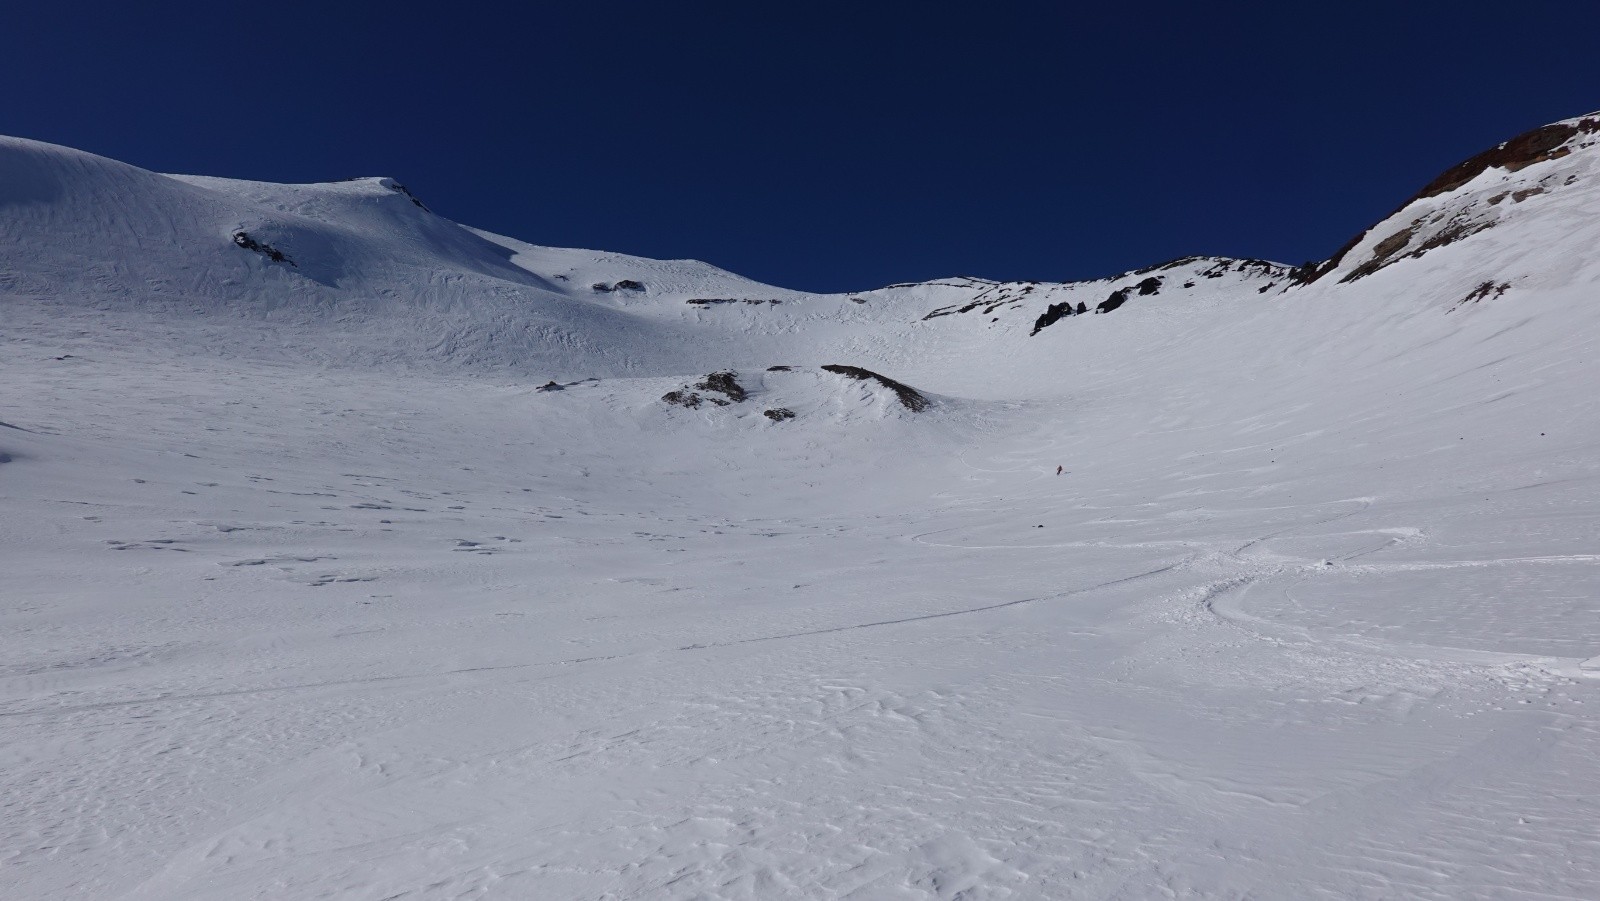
x: 1537, y: 189
x: 361, y: 272
x: 353, y: 553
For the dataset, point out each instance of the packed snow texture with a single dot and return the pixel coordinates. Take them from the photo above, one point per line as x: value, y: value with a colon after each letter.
x: 315, y: 585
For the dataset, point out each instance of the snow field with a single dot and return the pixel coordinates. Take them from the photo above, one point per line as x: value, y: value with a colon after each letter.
x: 310, y: 593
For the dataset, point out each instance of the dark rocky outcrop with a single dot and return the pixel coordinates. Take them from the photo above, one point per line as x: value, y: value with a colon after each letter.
x: 724, y: 383
x: 1383, y: 250
x: 909, y: 396
x: 402, y: 189
x: 682, y: 398
x: 989, y: 299
x: 1052, y: 314
x: 243, y: 239
x: 554, y: 385
x: 626, y: 284
x: 1485, y: 291
x: 1058, y: 311
x: 1117, y: 299
x: 779, y: 368
x: 1450, y: 234
x: 1388, y: 250
x: 1219, y: 266
x: 713, y: 301
x: 716, y: 383
x: 1543, y: 143
x: 778, y: 414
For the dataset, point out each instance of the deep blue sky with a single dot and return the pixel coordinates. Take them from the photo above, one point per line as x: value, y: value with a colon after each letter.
x: 825, y: 146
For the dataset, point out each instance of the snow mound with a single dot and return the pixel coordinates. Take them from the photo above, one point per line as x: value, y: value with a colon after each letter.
x: 781, y: 393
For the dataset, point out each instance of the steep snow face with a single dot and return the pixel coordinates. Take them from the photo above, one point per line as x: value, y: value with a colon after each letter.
x: 1537, y: 193
x: 390, y: 568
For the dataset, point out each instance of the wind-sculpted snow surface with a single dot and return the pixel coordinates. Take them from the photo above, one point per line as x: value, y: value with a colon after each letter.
x: 390, y: 574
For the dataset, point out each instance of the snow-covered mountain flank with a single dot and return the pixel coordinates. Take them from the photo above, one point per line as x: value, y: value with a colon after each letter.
x: 350, y: 552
